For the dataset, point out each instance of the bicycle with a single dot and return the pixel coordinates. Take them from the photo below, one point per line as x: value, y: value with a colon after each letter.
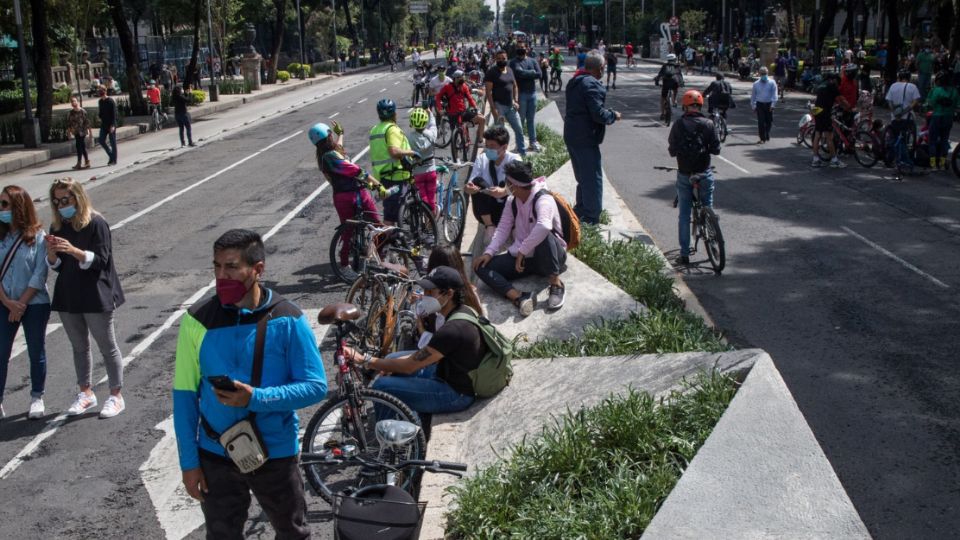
x: 443, y: 128
x: 556, y: 84
x: 419, y: 88
x: 452, y: 203
x: 157, y: 117
x: 460, y: 139
x: 704, y: 224
x: 417, y: 222
x: 720, y: 124
x: 348, y: 418
x: 384, y: 294
x: 382, y: 508
x: 666, y: 109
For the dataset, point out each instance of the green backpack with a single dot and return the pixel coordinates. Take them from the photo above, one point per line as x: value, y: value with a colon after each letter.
x: 494, y: 371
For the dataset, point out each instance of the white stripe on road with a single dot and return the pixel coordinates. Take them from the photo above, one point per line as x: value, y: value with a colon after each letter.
x: 164, y: 201
x: 361, y: 101
x: 396, y: 83
x: 334, y: 115
x: 383, y: 90
x: 732, y: 164
x: 20, y: 342
x: 902, y: 262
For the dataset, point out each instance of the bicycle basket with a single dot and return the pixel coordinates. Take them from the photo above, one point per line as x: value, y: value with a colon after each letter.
x: 383, y: 512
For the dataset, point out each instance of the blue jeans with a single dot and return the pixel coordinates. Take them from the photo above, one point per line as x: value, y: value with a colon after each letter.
x: 588, y: 170
x: 528, y: 113
x: 508, y: 112
x: 111, y: 150
x: 34, y: 323
x: 940, y: 136
x: 423, y: 392
x: 685, y: 196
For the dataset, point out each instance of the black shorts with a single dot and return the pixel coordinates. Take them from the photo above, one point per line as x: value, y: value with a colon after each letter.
x: 465, y: 116
x: 667, y: 86
x: 823, y: 123
x: 611, y: 68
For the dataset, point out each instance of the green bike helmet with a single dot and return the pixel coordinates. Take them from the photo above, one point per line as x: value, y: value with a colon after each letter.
x: 419, y: 118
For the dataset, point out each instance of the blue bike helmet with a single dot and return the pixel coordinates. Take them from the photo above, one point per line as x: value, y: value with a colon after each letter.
x: 318, y: 132
x: 386, y: 108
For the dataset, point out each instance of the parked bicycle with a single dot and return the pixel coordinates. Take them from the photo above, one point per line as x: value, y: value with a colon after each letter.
x: 452, y: 203
x: 704, y: 225
x: 385, y: 297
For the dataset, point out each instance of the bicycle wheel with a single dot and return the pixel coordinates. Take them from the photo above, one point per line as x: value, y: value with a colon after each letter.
x: 555, y: 84
x: 806, y: 135
x: 865, y: 148
x: 667, y: 113
x: 443, y: 133
x: 453, y: 219
x: 344, y: 420
x: 721, y: 127
x: 421, y: 228
x: 458, y: 146
x: 955, y: 160
x: 370, y: 295
x: 713, y: 240
x: 355, y: 254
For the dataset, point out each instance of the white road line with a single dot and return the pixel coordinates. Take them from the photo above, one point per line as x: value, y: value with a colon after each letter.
x: 334, y: 115
x: 165, y: 200
x: 396, y: 83
x: 732, y: 164
x: 902, y: 262
x: 361, y: 101
x: 20, y: 342
x: 383, y: 90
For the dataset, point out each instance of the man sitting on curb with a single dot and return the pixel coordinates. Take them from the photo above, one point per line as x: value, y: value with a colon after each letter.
x: 538, y: 235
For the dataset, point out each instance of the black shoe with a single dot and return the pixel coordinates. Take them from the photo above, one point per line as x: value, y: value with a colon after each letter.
x: 682, y: 259
x: 191, y: 144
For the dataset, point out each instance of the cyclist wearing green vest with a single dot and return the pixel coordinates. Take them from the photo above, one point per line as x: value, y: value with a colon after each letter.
x: 388, y: 144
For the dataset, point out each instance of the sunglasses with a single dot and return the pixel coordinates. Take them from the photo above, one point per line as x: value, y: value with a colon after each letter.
x: 4, y: 204
x: 62, y: 201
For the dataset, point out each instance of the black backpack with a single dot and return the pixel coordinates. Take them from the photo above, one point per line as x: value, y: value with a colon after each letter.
x: 692, y: 146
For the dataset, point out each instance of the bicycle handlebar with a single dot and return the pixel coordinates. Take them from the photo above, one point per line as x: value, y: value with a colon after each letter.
x: 307, y: 459
x: 455, y: 164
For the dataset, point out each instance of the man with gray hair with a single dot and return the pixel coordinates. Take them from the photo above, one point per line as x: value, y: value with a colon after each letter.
x: 584, y: 126
x: 763, y: 98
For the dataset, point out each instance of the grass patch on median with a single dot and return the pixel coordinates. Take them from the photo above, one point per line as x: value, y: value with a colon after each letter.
x: 600, y: 472
x: 541, y: 103
x: 637, y: 269
x: 553, y: 155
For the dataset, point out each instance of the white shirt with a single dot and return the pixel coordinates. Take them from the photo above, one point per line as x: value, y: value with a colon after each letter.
x: 436, y: 84
x: 416, y: 57
x: 481, y: 168
x: 901, y: 94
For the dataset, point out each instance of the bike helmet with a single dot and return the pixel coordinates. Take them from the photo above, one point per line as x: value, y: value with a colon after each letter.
x: 671, y: 58
x: 386, y: 108
x: 318, y: 132
x: 692, y: 97
x: 458, y: 74
x: 419, y: 118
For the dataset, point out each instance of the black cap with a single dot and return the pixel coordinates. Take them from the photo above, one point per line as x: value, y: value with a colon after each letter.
x: 442, y: 277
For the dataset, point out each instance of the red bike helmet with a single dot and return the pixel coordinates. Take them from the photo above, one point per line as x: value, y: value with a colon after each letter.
x: 692, y: 97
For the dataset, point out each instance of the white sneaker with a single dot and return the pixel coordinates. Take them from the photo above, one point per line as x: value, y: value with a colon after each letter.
x: 84, y: 401
x: 3, y: 414
x: 113, y: 406
x: 36, y: 408
x: 817, y: 162
x: 837, y: 164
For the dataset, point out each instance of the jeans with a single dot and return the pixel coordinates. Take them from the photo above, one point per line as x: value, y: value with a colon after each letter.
x: 111, y: 150
x: 81, y: 142
x: 764, y: 120
x: 548, y: 259
x: 923, y: 84
x: 78, y: 327
x: 940, y: 135
x: 183, y: 122
x: 424, y: 392
x: 34, y: 322
x: 685, y: 196
x: 528, y: 113
x: 508, y: 112
x: 588, y: 170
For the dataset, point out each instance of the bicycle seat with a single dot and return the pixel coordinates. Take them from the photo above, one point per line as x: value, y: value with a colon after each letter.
x: 338, y: 312
x: 396, y: 433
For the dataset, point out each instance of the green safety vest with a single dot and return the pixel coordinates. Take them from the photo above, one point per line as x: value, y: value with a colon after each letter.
x: 384, y: 166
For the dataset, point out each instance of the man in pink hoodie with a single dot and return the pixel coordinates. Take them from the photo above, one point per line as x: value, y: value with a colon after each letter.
x: 531, y: 215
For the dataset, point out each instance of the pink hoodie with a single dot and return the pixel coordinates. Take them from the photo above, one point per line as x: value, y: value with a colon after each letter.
x: 527, y: 233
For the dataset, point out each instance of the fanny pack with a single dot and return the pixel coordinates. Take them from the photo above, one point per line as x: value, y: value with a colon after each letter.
x: 242, y: 441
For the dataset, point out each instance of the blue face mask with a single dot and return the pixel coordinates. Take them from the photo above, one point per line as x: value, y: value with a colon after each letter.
x: 6, y: 216
x: 491, y: 154
x: 67, y: 212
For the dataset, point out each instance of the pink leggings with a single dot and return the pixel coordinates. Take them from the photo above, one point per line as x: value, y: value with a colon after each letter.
x: 427, y: 186
x: 345, y: 203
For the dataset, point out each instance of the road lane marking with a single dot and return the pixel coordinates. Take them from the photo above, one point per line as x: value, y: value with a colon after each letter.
x: 396, y: 83
x: 361, y: 101
x: 732, y: 164
x: 165, y: 200
x: 383, y: 90
x: 900, y: 261
x: 334, y: 115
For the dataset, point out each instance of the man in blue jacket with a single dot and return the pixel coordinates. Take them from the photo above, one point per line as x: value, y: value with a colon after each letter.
x: 584, y: 127
x: 217, y: 338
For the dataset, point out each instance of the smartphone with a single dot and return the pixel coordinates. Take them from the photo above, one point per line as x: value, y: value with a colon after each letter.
x: 222, y: 382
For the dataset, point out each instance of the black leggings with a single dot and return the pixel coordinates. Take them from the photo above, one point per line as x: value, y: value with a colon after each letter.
x: 81, y: 142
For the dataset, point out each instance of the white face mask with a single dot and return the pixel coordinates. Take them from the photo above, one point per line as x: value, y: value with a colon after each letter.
x: 427, y: 305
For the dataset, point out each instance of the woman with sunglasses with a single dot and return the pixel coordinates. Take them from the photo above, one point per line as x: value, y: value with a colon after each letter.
x: 23, y: 296
x: 87, y: 291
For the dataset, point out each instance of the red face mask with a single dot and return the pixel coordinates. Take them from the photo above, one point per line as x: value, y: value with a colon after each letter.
x: 231, y: 291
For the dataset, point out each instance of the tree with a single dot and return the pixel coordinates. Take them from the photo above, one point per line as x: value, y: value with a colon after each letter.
x: 791, y: 27
x: 279, y: 24
x: 41, y: 66
x: 693, y: 21
x: 130, y: 56
x: 193, y: 72
x: 894, y: 41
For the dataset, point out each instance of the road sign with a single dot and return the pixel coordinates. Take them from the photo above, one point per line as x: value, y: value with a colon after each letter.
x: 593, y: 2
x: 674, y: 21
x: 417, y: 7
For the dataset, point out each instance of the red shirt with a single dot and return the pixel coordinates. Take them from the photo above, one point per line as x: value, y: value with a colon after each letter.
x: 629, y: 50
x: 153, y: 94
x: 456, y: 98
x: 848, y: 89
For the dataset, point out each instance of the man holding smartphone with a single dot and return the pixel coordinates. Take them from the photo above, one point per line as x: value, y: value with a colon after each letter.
x: 213, y: 394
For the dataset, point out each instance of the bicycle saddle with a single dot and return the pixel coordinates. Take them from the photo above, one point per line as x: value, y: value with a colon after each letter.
x: 338, y: 312
x: 396, y: 433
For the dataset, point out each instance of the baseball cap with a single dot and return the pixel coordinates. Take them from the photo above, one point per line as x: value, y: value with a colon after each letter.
x: 442, y: 277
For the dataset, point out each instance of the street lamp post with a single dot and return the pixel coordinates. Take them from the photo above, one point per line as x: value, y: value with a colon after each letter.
x: 31, y: 126
x: 214, y: 90
x: 303, y: 72
x: 816, y: 35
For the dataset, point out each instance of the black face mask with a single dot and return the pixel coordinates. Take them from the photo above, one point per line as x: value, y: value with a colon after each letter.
x: 521, y: 53
x: 501, y: 63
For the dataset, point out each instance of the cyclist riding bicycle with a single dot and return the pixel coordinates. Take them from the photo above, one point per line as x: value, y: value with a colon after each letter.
x: 692, y: 140
x: 671, y: 77
x: 388, y: 145
x: 719, y: 96
x: 458, y: 94
x: 556, y: 65
x: 435, y: 84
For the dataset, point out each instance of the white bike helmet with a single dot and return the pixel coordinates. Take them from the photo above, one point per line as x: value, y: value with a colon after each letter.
x: 671, y: 58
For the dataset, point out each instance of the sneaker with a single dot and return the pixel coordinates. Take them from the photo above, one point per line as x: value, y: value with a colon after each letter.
x: 557, y: 295
x: 191, y: 144
x: 36, y: 408
x: 837, y: 164
x: 84, y: 401
x: 817, y: 162
x: 112, y: 407
x: 3, y: 413
x: 681, y: 260
x: 348, y: 274
x: 933, y: 163
x: 524, y: 303
x: 943, y: 163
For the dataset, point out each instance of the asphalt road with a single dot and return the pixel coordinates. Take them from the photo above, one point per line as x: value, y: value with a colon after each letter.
x: 83, y: 481
x: 846, y: 277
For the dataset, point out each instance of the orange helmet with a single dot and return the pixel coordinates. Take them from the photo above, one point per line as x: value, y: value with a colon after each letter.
x: 692, y: 97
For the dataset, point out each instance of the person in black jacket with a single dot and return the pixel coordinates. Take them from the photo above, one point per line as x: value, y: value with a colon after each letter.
x: 692, y: 140
x: 107, y: 110
x: 87, y: 291
x: 181, y: 114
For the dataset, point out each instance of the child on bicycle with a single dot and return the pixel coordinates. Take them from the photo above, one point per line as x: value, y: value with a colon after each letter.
x: 423, y: 141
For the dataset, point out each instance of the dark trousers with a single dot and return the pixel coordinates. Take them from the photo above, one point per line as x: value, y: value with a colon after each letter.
x: 183, y: 122
x: 81, y: 142
x: 940, y: 135
x: 278, y: 486
x: 548, y: 260
x: 34, y: 322
x: 106, y: 134
x: 589, y: 173
x: 764, y: 120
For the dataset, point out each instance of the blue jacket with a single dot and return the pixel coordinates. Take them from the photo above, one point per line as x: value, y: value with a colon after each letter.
x: 586, y: 117
x: 218, y: 340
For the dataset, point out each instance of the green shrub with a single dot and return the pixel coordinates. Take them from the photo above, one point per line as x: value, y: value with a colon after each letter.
x: 323, y: 67
x: 197, y: 97
x: 554, y: 153
x: 234, y: 86
x: 293, y: 68
x: 307, y: 71
x: 364, y: 61
x: 12, y: 100
x: 283, y: 76
x: 62, y: 94
x: 431, y: 46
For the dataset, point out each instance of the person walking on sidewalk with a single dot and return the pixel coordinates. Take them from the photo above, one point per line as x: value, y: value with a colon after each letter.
x: 87, y: 292
x: 503, y: 94
x: 692, y: 140
x: 944, y: 101
x: 584, y: 127
x: 532, y: 219
x: 527, y: 72
x: 763, y: 98
x: 264, y: 345
x: 23, y: 296
x: 611, y: 59
x: 78, y: 127
x: 107, y: 110
x: 182, y: 115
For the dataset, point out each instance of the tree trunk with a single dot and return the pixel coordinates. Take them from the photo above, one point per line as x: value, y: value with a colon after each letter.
x: 894, y: 41
x: 791, y: 27
x: 351, y: 29
x: 192, y: 75
x: 955, y: 29
x: 827, y: 17
x: 277, y: 43
x: 130, y: 56
x: 863, y: 27
x: 41, y: 67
